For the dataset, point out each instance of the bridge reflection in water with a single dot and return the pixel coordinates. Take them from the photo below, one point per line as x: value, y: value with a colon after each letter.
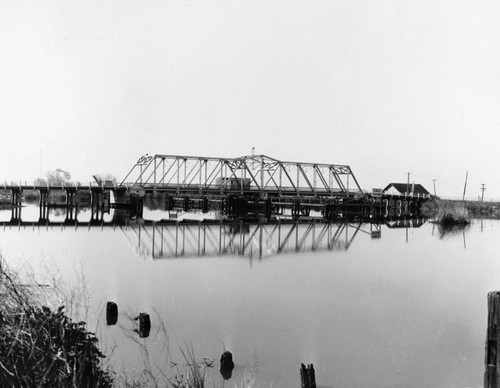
x: 254, y: 240
x: 244, y: 239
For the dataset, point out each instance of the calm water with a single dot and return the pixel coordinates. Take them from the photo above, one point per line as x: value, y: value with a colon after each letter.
x: 368, y: 305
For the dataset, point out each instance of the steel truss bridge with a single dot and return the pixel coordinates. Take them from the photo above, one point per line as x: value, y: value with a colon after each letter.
x: 248, y: 187
x: 256, y: 175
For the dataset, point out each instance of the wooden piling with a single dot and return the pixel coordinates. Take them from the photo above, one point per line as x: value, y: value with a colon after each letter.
x: 111, y: 313
x: 144, y: 325
x: 226, y: 365
x: 492, y: 351
x: 307, y: 376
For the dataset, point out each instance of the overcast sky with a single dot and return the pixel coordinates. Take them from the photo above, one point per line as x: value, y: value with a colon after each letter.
x: 387, y: 87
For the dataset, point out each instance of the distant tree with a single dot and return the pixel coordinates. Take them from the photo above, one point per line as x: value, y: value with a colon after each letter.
x: 58, y: 177
x: 40, y: 182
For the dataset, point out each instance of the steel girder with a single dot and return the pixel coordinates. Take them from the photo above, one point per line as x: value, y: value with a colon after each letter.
x: 247, y: 174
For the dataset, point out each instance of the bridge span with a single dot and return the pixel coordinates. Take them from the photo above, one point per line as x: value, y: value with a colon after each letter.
x: 246, y: 187
x: 259, y: 185
x: 255, y: 175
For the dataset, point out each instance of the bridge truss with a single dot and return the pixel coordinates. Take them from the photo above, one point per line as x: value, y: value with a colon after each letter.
x: 255, y: 174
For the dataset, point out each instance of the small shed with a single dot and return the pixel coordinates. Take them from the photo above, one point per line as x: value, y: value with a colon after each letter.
x: 406, y: 189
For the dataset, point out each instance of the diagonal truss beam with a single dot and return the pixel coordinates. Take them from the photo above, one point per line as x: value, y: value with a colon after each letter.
x: 249, y: 174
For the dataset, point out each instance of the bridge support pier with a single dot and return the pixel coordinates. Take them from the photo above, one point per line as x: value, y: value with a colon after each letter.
x: 205, y: 205
x: 16, y: 202
x: 43, y: 206
x: 100, y: 203
x: 71, y: 207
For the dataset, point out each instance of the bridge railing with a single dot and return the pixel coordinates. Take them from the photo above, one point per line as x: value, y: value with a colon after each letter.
x: 25, y: 185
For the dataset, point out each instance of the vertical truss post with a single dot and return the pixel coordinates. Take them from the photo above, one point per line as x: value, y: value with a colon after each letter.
x: 261, y: 176
x: 185, y: 172
x: 298, y: 180
x: 222, y: 183
x: 178, y: 171
x: 280, y: 179
x: 206, y: 173
x: 163, y: 169
x: 154, y: 172
x: 242, y: 175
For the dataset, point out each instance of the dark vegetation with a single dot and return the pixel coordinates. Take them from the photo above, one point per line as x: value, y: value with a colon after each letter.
x: 40, y: 347
x: 44, y: 347
x: 438, y: 208
x: 453, y: 216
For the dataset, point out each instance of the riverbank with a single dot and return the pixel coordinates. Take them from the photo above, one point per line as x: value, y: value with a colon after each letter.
x: 474, y: 209
x: 41, y: 346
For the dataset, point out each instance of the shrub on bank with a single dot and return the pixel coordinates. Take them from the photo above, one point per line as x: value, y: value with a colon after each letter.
x: 451, y: 219
x: 44, y: 348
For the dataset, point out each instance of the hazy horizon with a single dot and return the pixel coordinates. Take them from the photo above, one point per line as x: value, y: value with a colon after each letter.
x: 387, y: 87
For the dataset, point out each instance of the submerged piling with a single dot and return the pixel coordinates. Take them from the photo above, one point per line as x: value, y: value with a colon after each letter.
x: 492, y: 351
x: 307, y: 376
x: 226, y: 365
x: 144, y: 325
x: 111, y: 313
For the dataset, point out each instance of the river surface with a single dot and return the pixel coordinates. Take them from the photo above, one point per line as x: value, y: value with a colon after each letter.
x: 368, y: 305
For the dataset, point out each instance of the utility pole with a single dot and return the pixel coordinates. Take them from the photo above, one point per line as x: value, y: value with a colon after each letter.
x: 465, y: 185
x: 434, y: 183
x: 41, y: 162
x: 482, y: 192
x: 408, y: 184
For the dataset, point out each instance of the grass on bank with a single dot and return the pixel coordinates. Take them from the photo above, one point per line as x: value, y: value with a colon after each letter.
x: 447, y: 212
x: 41, y: 347
x: 450, y: 216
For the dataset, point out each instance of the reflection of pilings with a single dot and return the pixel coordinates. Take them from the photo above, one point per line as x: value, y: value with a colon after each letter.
x: 244, y: 239
x: 415, y: 222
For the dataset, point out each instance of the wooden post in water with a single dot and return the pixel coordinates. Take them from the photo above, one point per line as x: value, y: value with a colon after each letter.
x: 492, y: 373
x: 307, y: 376
x: 144, y: 325
x: 111, y: 313
x: 226, y: 365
